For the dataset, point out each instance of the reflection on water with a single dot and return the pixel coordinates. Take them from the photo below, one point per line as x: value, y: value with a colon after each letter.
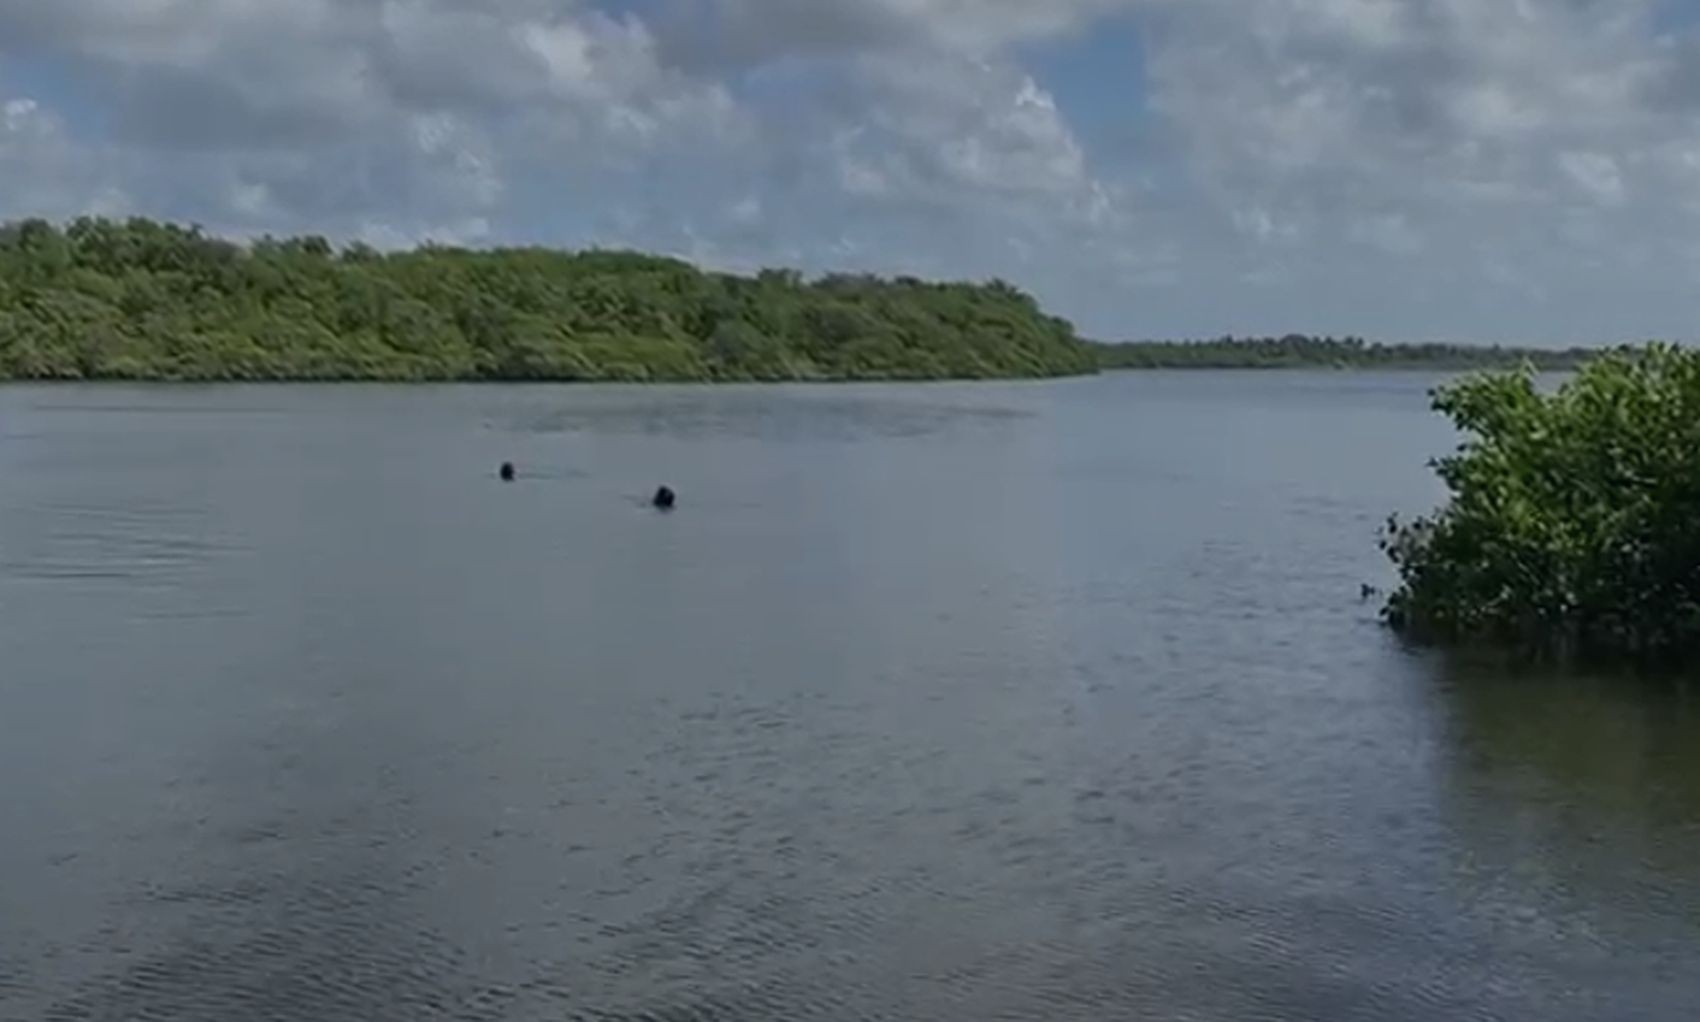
x: 1032, y: 701
x: 1619, y: 748
x: 1576, y: 803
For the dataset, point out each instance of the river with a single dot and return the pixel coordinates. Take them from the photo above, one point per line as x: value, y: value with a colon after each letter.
x: 962, y: 702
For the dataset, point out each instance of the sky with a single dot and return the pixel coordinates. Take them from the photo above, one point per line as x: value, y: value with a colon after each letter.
x: 1522, y: 171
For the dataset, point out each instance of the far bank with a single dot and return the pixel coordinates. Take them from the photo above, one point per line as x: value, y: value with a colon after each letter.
x: 145, y: 301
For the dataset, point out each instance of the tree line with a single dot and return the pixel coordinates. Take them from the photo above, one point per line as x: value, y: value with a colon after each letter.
x: 1297, y: 351
x: 141, y: 300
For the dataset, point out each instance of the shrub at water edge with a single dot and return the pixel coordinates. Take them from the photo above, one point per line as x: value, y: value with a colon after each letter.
x: 1573, y: 529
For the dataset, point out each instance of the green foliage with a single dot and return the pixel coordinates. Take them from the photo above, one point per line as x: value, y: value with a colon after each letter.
x: 1296, y: 351
x: 143, y: 300
x: 1573, y: 528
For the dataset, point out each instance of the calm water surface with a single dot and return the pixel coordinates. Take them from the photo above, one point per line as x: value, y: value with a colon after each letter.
x: 1047, y: 701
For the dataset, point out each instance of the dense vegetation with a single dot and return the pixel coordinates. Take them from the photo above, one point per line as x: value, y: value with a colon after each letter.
x: 1296, y: 351
x: 1574, y: 522
x: 143, y: 300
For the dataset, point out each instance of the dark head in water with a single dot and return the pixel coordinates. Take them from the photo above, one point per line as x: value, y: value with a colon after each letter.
x: 665, y: 499
x: 507, y: 472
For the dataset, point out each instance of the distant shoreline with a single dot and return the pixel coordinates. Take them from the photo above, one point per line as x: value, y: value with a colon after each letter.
x: 1296, y: 351
x: 1391, y: 367
x: 51, y: 382
x: 1503, y: 359
x: 143, y: 302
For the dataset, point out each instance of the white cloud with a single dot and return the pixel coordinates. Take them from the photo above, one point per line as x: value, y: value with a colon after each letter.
x: 1390, y: 232
x: 45, y: 172
x: 710, y: 33
x: 950, y: 126
x: 1457, y: 137
x: 396, y: 117
x: 1494, y: 168
x: 1596, y: 174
